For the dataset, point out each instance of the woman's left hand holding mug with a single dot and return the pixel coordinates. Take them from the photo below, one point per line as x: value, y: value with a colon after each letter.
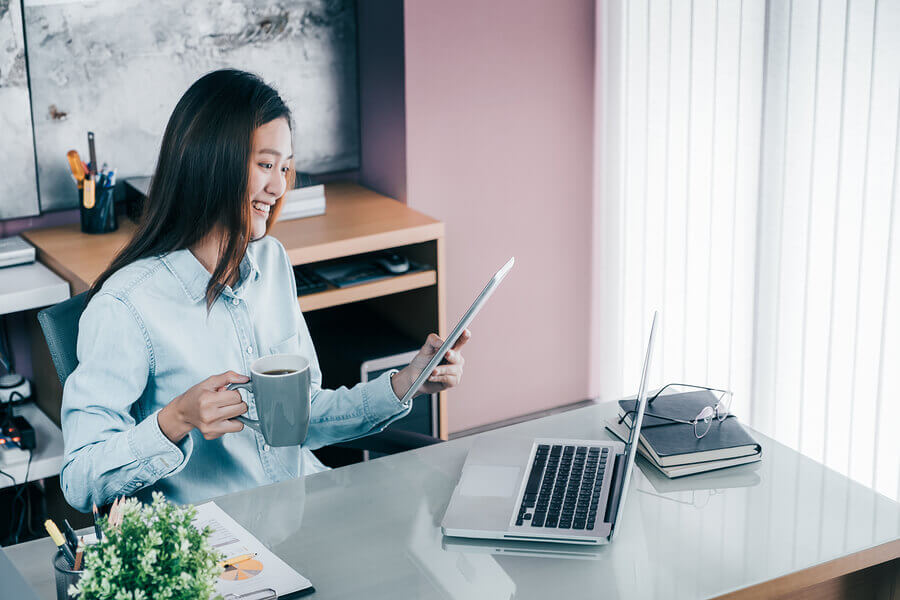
x: 207, y: 406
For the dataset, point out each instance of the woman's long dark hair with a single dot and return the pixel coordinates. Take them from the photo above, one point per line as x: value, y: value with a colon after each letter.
x: 201, y: 178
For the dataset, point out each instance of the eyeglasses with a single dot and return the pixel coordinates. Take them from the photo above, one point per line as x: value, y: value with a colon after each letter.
x: 703, y: 421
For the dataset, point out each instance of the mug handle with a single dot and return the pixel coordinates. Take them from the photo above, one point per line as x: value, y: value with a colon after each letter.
x: 249, y: 387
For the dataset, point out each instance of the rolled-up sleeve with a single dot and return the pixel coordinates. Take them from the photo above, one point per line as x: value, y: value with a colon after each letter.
x: 108, y: 451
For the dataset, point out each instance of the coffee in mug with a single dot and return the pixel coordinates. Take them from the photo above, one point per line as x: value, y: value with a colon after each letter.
x: 280, y: 387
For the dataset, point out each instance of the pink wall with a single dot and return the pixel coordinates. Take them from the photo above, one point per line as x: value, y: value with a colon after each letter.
x: 499, y: 129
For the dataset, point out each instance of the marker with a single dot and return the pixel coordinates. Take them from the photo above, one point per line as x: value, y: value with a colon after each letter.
x: 59, y: 540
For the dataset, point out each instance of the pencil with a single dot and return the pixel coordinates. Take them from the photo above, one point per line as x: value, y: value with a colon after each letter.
x: 235, y: 559
x: 97, y: 529
x: 113, y: 513
x: 79, y: 554
x: 120, y: 504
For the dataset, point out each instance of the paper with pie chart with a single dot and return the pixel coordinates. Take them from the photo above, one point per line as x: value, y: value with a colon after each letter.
x: 258, y: 568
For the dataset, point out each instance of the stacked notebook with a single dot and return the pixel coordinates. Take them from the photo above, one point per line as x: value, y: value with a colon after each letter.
x: 303, y: 202
x: 674, y: 449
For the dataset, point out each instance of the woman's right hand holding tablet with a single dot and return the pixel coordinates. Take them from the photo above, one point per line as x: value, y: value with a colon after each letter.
x: 207, y: 406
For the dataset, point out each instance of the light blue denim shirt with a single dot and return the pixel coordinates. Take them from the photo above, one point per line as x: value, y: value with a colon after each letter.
x: 146, y: 338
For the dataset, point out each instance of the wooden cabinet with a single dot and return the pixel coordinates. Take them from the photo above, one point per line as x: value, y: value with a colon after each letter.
x: 357, y: 221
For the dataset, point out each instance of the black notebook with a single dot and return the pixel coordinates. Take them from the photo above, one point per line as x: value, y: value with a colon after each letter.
x: 672, y: 444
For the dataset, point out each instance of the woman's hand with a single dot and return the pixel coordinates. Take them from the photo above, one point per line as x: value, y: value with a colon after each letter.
x: 207, y: 406
x: 445, y: 375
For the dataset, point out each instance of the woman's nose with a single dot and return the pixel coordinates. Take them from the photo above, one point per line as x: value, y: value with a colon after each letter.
x: 276, y: 184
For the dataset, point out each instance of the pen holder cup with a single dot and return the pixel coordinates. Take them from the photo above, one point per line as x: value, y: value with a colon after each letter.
x: 65, y: 576
x: 98, y: 214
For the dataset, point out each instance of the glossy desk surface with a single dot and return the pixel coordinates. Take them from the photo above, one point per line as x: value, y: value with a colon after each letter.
x: 372, y: 530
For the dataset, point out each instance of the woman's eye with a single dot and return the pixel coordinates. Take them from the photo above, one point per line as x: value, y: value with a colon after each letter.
x: 285, y: 169
x: 266, y: 165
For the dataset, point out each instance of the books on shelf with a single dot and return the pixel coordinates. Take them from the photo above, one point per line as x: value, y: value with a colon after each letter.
x: 674, y: 449
x: 306, y: 201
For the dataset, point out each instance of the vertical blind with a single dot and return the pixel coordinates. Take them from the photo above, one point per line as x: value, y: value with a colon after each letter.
x: 747, y: 188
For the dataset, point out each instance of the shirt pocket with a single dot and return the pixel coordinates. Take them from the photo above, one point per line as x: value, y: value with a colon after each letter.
x: 289, y: 345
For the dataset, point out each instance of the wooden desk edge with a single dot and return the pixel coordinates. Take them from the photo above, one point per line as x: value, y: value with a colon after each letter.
x: 823, y: 573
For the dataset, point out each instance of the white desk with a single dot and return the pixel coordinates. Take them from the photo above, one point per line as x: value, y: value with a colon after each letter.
x: 24, y: 287
x: 372, y: 530
x: 48, y: 455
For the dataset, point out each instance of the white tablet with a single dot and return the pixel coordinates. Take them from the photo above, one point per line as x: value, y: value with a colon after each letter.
x: 460, y: 327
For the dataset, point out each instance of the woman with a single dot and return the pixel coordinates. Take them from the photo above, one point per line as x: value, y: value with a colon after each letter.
x: 196, y: 296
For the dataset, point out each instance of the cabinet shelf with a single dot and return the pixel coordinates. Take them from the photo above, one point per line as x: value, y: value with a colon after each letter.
x: 383, y: 287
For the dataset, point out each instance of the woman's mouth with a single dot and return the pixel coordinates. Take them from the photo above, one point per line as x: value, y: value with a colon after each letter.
x: 261, y: 208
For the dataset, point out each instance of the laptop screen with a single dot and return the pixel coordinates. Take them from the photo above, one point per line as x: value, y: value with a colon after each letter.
x: 633, y: 440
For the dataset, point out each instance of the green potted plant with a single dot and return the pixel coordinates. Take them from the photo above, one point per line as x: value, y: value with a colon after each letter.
x: 155, y: 553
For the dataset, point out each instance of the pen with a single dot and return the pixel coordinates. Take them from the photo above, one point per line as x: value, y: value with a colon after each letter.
x: 92, y: 152
x: 235, y: 559
x: 59, y: 540
x: 97, y: 529
x: 70, y: 535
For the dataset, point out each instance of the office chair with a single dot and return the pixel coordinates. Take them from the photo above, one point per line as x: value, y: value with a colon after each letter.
x: 60, y: 326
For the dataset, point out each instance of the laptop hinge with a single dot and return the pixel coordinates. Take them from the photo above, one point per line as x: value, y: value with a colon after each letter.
x: 615, y: 493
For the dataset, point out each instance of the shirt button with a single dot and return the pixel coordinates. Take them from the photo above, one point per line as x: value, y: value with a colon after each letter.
x: 266, y: 447
x: 249, y: 349
x: 235, y: 301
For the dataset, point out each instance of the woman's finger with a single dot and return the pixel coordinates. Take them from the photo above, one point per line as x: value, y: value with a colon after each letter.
x: 448, y: 370
x: 445, y: 380
x: 228, y: 397
x: 221, y: 380
x: 232, y: 410
x: 220, y: 428
x: 433, y: 342
x: 454, y: 357
x: 465, y: 337
x: 451, y: 371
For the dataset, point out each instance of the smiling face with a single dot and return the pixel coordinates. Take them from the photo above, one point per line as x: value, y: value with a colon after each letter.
x: 270, y: 163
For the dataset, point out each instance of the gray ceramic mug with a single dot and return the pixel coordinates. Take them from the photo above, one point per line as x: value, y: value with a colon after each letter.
x: 280, y: 385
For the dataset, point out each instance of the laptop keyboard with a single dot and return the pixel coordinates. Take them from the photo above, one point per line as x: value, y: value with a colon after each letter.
x: 563, y: 489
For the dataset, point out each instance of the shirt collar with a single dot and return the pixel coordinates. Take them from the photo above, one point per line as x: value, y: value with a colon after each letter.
x: 194, y: 277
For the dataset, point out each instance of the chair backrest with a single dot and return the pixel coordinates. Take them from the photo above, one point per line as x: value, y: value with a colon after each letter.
x: 60, y: 325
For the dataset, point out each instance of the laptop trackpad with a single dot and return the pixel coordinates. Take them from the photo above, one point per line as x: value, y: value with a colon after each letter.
x: 494, y: 481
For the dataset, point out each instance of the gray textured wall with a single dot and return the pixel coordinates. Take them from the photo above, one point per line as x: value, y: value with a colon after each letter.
x: 18, y: 191
x: 117, y: 67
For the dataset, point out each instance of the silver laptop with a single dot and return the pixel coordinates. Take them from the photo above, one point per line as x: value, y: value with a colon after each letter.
x: 546, y: 489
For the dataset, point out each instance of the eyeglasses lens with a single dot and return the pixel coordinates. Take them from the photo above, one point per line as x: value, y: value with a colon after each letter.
x: 703, y: 421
